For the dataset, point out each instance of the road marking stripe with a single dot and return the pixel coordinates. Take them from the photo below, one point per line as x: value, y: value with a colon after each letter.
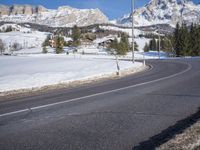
x: 97, y: 94
x: 14, y: 112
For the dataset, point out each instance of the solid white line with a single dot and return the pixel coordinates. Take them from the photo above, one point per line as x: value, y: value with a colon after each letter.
x: 14, y: 112
x: 97, y: 94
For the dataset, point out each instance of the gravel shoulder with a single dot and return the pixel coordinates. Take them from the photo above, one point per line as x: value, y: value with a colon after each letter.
x: 188, y: 140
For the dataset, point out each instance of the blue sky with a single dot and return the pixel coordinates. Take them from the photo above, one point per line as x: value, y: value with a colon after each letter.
x: 112, y: 8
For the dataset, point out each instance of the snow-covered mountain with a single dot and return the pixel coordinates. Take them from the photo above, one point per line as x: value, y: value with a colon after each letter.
x: 64, y: 16
x: 164, y: 12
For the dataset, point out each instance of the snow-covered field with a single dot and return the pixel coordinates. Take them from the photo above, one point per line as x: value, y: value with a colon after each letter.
x: 22, y: 72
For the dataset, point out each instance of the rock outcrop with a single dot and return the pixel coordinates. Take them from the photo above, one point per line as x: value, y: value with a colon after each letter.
x: 64, y: 16
x: 4, y: 10
x: 21, y: 10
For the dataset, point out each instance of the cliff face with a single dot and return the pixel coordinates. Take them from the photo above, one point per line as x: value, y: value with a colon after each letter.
x: 4, y: 10
x: 64, y: 16
x: 21, y: 9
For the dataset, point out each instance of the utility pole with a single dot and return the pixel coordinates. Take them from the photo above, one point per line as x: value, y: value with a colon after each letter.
x: 159, y: 45
x: 133, y: 41
x: 159, y: 40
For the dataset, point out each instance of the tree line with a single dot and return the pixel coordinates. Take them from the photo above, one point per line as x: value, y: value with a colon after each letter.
x: 187, y: 40
x: 164, y: 43
x: 122, y: 46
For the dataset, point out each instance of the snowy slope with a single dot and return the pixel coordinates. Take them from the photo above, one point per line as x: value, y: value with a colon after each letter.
x: 26, y: 40
x: 41, y: 70
x: 64, y: 16
x: 164, y: 12
x: 15, y: 27
x: 25, y: 37
x: 128, y: 31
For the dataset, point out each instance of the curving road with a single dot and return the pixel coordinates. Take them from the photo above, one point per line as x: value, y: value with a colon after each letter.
x: 120, y: 114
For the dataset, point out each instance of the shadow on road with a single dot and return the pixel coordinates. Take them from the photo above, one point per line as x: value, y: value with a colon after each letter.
x: 169, y: 133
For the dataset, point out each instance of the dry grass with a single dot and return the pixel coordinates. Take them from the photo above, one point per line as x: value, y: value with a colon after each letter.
x: 188, y: 140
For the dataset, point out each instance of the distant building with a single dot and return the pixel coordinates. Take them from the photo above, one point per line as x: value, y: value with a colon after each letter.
x: 104, y: 42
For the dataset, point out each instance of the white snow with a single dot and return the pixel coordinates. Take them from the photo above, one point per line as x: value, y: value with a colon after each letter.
x: 141, y: 43
x: 35, y: 50
x: 26, y: 72
x: 128, y: 30
x: 16, y: 27
x: 26, y: 40
x: 89, y: 49
x: 163, y: 12
x: 100, y: 40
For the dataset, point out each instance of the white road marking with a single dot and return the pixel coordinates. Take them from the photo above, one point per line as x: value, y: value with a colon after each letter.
x: 97, y: 94
x: 14, y: 112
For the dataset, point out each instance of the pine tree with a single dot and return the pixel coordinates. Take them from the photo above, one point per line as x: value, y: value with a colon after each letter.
x: 136, y: 46
x: 162, y: 44
x: 198, y: 41
x: 119, y: 48
x: 184, y: 41
x: 113, y: 46
x: 177, y: 40
x: 157, y: 45
x: 47, y: 41
x: 124, y: 41
x: 194, y: 40
x: 2, y: 47
x: 59, y: 44
x: 165, y: 45
x: 152, y: 44
x: 76, y: 34
x: 44, y: 50
x: 146, y: 47
x: 187, y: 42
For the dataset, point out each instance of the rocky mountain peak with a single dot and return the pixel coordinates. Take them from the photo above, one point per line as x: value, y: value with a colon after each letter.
x: 64, y: 16
x: 164, y: 12
x: 21, y: 9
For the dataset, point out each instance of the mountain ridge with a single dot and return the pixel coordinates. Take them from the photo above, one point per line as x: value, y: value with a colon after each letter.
x: 63, y: 16
x: 164, y: 12
x: 154, y: 12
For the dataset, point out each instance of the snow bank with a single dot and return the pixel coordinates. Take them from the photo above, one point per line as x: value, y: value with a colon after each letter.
x: 22, y: 72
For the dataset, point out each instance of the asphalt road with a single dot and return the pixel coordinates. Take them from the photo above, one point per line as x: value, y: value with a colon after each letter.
x: 120, y: 114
